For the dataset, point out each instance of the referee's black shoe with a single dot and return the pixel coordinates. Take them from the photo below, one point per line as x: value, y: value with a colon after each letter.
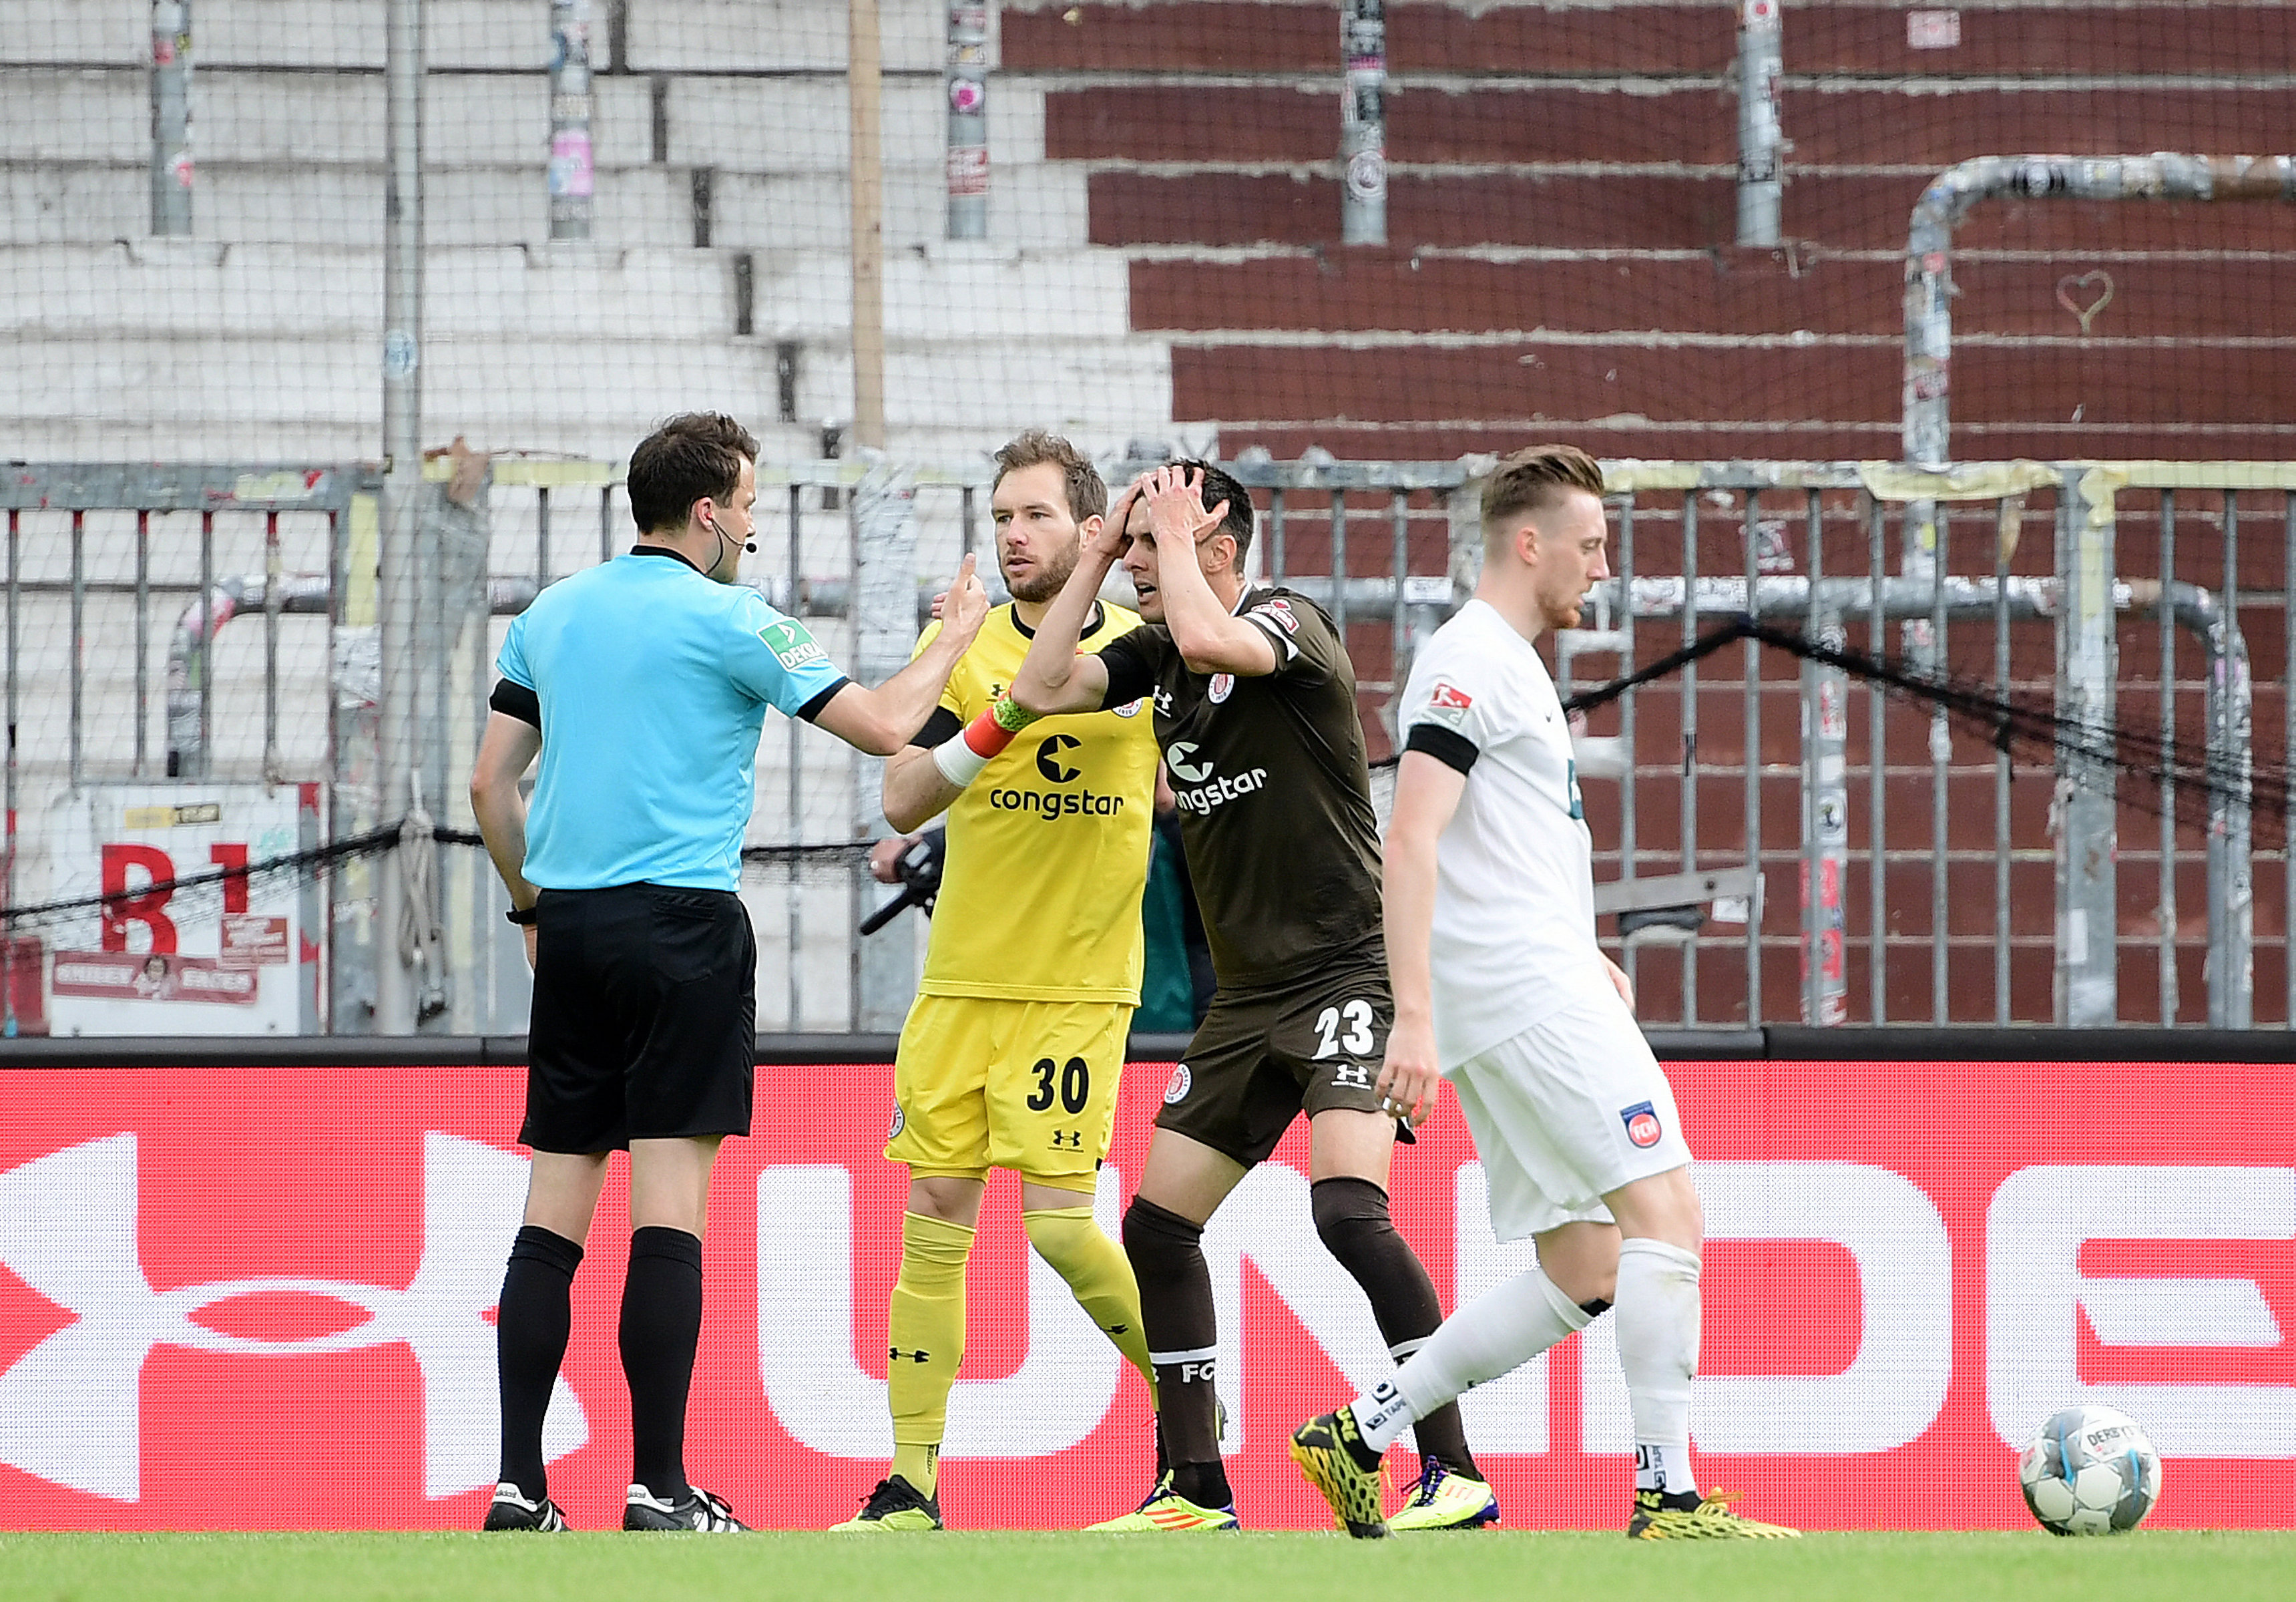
x: 697, y: 1509
x: 511, y: 1510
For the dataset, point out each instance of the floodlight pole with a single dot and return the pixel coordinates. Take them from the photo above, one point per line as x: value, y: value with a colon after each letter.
x: 402, y: 484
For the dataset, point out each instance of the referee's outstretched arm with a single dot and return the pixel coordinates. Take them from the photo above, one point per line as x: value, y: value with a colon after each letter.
x: 882, y: 721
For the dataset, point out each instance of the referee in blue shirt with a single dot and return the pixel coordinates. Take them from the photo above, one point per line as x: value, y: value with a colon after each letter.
x: 642, y: 686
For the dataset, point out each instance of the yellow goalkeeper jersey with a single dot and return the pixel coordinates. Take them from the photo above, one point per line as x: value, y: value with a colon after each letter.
x: 1048, y: 848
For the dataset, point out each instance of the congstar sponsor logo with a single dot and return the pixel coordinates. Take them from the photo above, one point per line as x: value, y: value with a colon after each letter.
x: 1053, y: 764
x: 1053, y: 805
x: 1206, y: 790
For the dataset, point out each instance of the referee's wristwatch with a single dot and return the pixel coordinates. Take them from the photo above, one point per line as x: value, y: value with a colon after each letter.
x: 520, y: 915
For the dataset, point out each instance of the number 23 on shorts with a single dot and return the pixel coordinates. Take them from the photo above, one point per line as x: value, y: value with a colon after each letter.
x: 1345, y: 1028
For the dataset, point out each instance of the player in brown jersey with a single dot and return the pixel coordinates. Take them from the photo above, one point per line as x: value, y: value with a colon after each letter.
x: 1254, y: 705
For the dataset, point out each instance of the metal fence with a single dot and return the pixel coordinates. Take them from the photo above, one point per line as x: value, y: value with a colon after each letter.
x: 1778, y: 840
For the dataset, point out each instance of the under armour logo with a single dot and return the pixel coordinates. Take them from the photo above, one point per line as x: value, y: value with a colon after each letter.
x: 1352, y: 1073
x: 918, y: 1356
x: 1068, y: 1140
x: 69, y: 1227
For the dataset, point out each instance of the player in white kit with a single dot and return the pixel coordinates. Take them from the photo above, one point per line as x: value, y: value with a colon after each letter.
x: 1500, y: 987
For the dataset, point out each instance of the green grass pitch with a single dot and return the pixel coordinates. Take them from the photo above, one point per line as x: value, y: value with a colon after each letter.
x: 967, y: 1567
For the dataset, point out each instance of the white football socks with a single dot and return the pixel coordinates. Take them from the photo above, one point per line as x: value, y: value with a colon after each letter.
x: 1656, y: 1312
x: 1501, y: 1330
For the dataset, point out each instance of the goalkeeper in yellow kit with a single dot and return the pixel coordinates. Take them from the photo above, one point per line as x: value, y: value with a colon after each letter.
x: 1011, y: 1054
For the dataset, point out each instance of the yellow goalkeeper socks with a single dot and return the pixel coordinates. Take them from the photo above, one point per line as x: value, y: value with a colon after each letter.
x: 1099, y: 1275
x: 925, y: 1323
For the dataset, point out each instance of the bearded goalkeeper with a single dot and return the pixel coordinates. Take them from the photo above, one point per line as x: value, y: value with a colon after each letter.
x: 1011, y: 1054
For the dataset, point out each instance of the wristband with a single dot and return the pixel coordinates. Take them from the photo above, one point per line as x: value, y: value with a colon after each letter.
x: 521, y: 915
x: 961, y: 758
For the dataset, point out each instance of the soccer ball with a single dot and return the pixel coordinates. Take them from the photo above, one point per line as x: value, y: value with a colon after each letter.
x: 2090, y: 1471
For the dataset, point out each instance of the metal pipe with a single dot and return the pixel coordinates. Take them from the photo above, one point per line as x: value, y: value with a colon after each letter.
x: 2085, y: 813
x: 325, y: 924
x: 1761, y: 138
x: 2232, y: 907
x: 967, y: 84
x: 1750, y: 749
x: 1689, y: 782
x: 1825, y: 805
x: 1624, y: 622
x: 1339, y: 565
x: 1940, y: 757
x: 1929, y: 246
x: 572, y: 175
x: 1276, y: 535
x: 1362, y: 122
x: 402, y: 443
x: 796, y: 805
x: 2166, y: 911
x: 8, y: 1020
x: 542, y: 538
x: 2004, y: 533
x: 172, y: 169
x: 78, y: 638
x: 1877, y: 887
x: 271, y: 767
x: 142, y: 641
x: 1398, y: 652
x: 204, y: 705
x: 605, y: 522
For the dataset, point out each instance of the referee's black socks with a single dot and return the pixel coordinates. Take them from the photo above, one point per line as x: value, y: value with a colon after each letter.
x: 1176, y: 1308
x: 530, y: 1330
x: 1352, y: 1221
x: 662, y: 1322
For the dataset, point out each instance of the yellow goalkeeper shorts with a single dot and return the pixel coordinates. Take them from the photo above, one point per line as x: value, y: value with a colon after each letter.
x: 1025, y: 1085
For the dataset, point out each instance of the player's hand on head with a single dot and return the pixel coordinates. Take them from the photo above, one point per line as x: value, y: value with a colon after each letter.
x: 1114, y: 537
x: 1408, y: 1082
x: 1175, y: 507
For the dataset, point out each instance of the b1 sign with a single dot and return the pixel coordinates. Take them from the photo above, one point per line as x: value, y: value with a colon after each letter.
x: 263, y: 1296
x: 231, y: 958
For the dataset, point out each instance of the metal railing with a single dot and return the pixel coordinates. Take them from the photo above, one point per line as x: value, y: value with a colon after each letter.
x: 1920, y: 864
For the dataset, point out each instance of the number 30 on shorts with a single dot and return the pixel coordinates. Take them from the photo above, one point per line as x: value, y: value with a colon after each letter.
x: 1357, y: 1042
x: 1075, y: 1078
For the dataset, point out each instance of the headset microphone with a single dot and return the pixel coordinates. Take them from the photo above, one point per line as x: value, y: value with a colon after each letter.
x: 748, y: 546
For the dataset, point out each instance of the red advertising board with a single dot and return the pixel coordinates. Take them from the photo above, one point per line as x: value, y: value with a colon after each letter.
x: 264, y: 1296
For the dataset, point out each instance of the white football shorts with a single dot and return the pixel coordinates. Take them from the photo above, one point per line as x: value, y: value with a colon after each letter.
x: 1567, y: 1111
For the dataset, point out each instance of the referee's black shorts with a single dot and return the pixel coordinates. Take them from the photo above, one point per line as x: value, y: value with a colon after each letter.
x: 645, y: 1022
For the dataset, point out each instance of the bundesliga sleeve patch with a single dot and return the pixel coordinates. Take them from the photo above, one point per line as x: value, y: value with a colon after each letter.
x: 1642, y: 1127
x: 792, y: 646
x: 1279, y: 612
x: 1448, y: 705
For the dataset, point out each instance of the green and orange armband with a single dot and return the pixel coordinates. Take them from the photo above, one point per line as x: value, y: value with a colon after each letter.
x: 961, y: 758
